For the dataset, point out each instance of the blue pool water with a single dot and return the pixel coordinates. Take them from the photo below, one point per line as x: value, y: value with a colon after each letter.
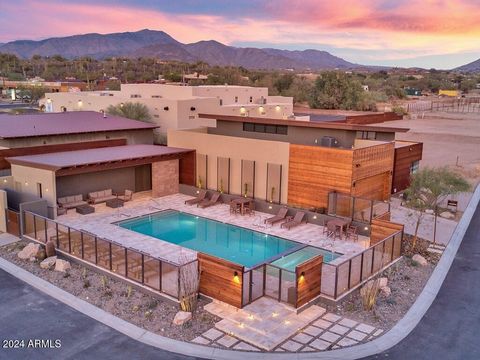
x: 233, y: 243
x: 290, y: 261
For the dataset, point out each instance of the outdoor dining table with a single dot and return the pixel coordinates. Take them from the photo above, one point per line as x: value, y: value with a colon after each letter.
x: 342, y: 224
x: 242, y: 201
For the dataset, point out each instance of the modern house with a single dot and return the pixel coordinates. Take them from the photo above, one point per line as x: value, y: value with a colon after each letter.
x: 54, y: 132
x: 174, y: 106
x: 295, y: 162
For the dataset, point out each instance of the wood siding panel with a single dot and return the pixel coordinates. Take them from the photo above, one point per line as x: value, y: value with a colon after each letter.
x: 381, y: 229
x: 372, y: 171
x: 187, y: 168
x: 217, y: 279
x: 372, y: 118
x: 44, y: 149
x: 404, y: 157
x: 315, y: 171
x: 308, y: 286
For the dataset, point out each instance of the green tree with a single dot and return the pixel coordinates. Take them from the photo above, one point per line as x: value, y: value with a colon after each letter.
x: 336, y: 90
x: 130, y: 110
x: 428, y: 187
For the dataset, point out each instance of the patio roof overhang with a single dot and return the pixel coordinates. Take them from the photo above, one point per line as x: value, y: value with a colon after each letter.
x: 92, y: 160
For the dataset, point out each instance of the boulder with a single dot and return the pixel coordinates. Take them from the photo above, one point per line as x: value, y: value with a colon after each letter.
x: 429, y: 211
x: 382, y: 282
x: 62, y: 265
x: 182, y: 317
x: 447, y: 215
x: 41, y: 255
x: 49, y: 262
x: 31, y: 250
x: 386, y: 291
x: 420, y: 260
x: 50, y: 249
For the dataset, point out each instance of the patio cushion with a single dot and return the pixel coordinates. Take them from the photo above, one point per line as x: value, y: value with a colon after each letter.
x: 78, y: 198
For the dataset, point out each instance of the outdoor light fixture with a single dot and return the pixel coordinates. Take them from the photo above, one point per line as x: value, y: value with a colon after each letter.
x: 26, y: 183
x: 366, y: 228
x: 4, y: 180
x: 261, y: 109
x: 236, y: 278
x: 121, y: 104
x: 49, y: 100
x: 270, y: 207
x: 243, y: 110
x: 277, y: 107
x: 80, y: 103
x: 315, y: 217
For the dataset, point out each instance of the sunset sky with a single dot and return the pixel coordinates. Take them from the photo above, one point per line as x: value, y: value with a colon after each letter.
x: 426, y: 33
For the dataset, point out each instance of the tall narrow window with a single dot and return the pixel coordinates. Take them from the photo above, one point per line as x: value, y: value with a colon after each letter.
x: 39, y: 190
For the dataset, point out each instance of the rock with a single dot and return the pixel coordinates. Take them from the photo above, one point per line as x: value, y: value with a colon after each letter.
x: 182, y: 317
x: 32, y: 259
x: 62, y: 265
x: 447, y: 215
x: 50, y: 249
x: 49, y: 262
x: 41, y: 254
x: 420, y: 260
x: 31, y: 250
x: 382, y: 282
x: 429, y: 211
x: 386, y: 291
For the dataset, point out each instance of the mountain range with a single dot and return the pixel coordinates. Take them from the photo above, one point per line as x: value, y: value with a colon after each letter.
x: 474, y: 66
x: 151, y: 43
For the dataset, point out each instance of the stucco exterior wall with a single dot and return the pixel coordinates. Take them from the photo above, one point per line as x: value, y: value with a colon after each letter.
x: 26, y: 179
x: 237, y: 149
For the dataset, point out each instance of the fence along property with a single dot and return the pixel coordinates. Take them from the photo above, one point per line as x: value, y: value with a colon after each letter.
x: 221, y: 279
x: 157, y: 275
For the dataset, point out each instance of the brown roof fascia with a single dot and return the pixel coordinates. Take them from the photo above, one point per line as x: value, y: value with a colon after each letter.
x: 301, y: 123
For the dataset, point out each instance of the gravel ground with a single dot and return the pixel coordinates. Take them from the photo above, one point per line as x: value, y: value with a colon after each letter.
x: 111, y: 295
x: 406, y: 280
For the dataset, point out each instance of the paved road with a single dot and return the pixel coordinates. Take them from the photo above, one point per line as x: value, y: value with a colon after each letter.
x: 26, y: 313
x: 450, y: 329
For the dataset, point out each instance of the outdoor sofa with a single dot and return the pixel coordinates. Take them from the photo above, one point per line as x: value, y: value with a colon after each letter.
x: 70, y: 202
x: 97, y: 197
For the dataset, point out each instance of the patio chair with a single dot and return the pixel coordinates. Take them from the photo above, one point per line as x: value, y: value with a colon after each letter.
x: 297, y: 220
x: 333, y: 231
x: 250, y: 208
x: 200, y: 197
x: 352, y: 233
x: 127, y: 195
x: 282, y: 213
x: 207, y: 203
x: 234, y: 207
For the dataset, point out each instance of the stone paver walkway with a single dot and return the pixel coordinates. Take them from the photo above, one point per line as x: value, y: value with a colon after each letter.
x: 266, y: 325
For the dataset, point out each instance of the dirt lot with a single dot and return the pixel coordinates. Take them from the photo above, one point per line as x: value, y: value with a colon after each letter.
x: 117, y: 298
x: 445, y: 136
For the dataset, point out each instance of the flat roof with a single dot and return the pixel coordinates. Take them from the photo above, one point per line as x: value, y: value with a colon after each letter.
x: 73, y: 122
x: 304, y: 123
x: 322, y: 117
x: 79, y: 158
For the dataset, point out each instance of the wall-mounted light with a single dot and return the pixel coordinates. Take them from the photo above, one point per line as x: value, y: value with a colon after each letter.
x: 236, y: 279
x: 261, y: 110
x: 80, y: 103
x: 315, y: 217
x: 365, y: 228
x: 270, y: 207
x: 46, y: 190
x: 49, y: 100
x: 302, y: 276
x: 243, y: 110
x: 4, y: 180
x: 26, y: 183
x: 278, y: 108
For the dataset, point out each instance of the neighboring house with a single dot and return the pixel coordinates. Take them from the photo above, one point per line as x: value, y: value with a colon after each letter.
x: 49, y: 132
x: 175, y: 106
x: 290, y: 161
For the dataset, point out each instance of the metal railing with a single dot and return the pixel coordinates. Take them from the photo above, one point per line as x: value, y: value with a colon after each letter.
x: 337, y: 279
x: 157, y: 274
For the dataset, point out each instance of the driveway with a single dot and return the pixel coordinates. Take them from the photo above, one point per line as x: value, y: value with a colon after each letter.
x: 28, y: 314
x: 450, y: 328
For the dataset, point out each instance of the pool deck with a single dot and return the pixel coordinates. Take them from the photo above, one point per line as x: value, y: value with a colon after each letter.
x: 101, y: 223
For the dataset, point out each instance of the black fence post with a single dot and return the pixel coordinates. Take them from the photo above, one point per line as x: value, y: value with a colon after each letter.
x: 110, y: 255
x: 69, y: 241
x: 143, y: 269
x: 160, y: 275
x: 336, y: 282
x: 126, y: 263
x: 96, y: 250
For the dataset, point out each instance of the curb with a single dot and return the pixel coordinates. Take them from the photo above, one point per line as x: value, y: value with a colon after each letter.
x: 383, y: 343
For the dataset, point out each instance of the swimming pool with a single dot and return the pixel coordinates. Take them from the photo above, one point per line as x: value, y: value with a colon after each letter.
x: 290, y: 261
x: 233, y: 243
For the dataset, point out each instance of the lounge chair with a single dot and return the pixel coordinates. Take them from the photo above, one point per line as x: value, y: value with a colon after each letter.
x: 200, y: 197
x: 206, y: 203
x: 282, y: 213
x: 297, y: 220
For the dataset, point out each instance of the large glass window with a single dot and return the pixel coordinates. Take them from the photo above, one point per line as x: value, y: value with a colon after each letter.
x: 414, y: 167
